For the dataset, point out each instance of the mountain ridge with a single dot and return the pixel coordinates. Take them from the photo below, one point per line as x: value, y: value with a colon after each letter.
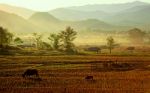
x: 23, y: 12
x: 109, y: 7
x: 81, y: 20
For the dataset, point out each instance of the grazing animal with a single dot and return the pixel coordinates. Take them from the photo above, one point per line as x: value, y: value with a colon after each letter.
x: 89, y: 77
x: 30, y: 72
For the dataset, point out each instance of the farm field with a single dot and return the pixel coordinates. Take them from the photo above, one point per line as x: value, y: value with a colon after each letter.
x: 66, y: 74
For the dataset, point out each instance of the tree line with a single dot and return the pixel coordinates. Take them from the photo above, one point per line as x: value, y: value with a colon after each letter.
x: 5, y: 38
x: 63, y: 41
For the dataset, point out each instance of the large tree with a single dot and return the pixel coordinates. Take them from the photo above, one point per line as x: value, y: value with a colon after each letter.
x: 110, y: 43
x: 54, y: 38
x: 5, y: 37
x: 67, y: 37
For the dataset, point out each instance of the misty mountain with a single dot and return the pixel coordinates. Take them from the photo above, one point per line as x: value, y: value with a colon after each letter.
x: 48, y: 22
x: 69, y: 14
x: 44, y: 17
x: 23, y: 12
x: 138, y: 15
x: 16, y: 24
x: 109, y: 8
x: 92, y: 24
x: 43, y: 22
x: 96, y: 11
x: 126, y: 14
x: 125, y: 17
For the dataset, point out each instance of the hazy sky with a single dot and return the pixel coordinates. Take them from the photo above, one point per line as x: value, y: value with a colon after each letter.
x: 44, y: 5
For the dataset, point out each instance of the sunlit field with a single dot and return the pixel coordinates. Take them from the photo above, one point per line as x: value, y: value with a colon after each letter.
x: 66, y: 74
x: 74, y: 46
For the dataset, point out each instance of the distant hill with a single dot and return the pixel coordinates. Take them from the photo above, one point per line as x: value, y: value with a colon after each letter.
x: 23, y: 12
x: 96, y: 11
x: 108, y: 8
x: 50, y: 23
x: 16, y: 24
x: 106, y: 17
x: 126, y: 14
x: 46, y: 21
x: 44, y: 17
x: 92, y: 24
x: 134, y: 16
x: 73, y: 15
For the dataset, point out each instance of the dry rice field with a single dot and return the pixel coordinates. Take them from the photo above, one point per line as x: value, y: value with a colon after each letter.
x: 66, y: 74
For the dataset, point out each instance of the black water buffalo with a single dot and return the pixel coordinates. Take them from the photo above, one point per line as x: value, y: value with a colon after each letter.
x: 30, y: 72
x: 89, y: 77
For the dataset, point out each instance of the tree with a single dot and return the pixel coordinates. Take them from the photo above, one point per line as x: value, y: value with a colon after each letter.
x: 5, y: 37
x: 46, y: 46
x: 67, y: 37
x: 110, y: 44
x: 148, y: 37
x: 136, y: 36
x: 18, y: 40
x: 38, y: 39
x: 54, y: 40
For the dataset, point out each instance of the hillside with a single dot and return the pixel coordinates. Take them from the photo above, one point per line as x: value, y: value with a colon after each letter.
x: 92, y: 24
x: 46, y: 21
x: 16, y: 24
x: 44, y: 17
x: 74, y: 15
x: 97, y: 11
x: 23, y: 12
x: 89, y: 17
x: 50, y: 23
x: 135, y: 16
x: 126, y: 14
x: 109, y: 8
